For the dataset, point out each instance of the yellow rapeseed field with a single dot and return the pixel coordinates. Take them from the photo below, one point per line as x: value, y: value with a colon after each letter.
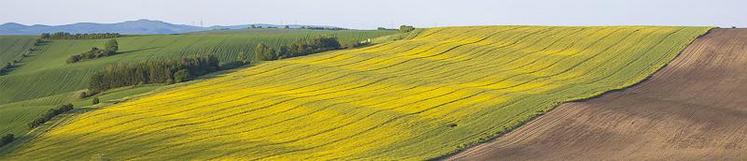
x: 422, y: 98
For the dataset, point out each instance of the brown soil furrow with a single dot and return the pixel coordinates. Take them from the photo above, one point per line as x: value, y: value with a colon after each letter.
x: 693, y: 109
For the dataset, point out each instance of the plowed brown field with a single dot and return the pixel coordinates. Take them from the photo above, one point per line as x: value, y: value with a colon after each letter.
x: 693, y: 109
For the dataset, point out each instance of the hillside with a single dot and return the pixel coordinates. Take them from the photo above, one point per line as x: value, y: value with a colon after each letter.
x: 693, y: 109
x: 13, y: 47
x: 444, y: 90
x: 45, y: 80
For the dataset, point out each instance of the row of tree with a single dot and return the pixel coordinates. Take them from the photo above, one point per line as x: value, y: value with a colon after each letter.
x: 406, y: 28
x: 174, y: 71
x: 110, y: 48
x: 322, y: 28
x: 121, y: 75
x: 300, y: 47
x: 302, y: 27
x: 69, y: 36
x: 384, y: 28
x: 51, y: 114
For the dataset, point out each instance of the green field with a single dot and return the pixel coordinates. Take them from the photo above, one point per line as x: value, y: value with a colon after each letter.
x: 12, y: 47
x: 416, y: 99
x: 45, y: 80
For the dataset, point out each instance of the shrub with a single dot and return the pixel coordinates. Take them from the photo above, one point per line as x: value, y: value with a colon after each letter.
x: 95, y: 100
x: 82, y: 95
x: 50, y: 114
x: 244, y: 58
x: 263, y: 52
x: 181, y: 76
x: 7, y: 139
x: 111, y: 45
x: 73, y: 59
x: 405, y: 28
x: 110, y: 48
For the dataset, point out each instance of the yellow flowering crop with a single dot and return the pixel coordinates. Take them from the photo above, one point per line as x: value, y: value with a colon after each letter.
x: 446, y: 89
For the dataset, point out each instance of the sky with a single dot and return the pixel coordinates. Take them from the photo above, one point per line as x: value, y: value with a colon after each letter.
x: 382, y: 13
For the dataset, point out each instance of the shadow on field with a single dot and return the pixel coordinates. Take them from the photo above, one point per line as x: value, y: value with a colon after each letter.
x: 138, y: 50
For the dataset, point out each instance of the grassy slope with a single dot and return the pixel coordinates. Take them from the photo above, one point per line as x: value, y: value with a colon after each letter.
x: 45, y: 80
x: 407, y: 100
x: 11, y: 47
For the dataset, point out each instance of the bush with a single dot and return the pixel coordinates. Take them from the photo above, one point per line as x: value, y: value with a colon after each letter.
x: 7, y: 139
x: 82, y: 95
x: 181, y: 76
x: 73, y: 59
x: 95, y: 100
x: 244, y: 58
x: 86, y: 94
x: 5, y: 69
x: 111, y: 45
x: 263, y: 52
x: 51, y: 114
x: 110, y: 48
x: 405, y: 28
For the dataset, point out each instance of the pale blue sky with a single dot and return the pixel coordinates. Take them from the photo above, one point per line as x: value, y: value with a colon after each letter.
x: 389, y: 13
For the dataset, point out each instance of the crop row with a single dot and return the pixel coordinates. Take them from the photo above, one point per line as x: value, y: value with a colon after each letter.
x: 406, y: 100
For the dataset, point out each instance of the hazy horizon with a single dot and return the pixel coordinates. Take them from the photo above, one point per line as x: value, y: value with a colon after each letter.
x: 383, y: 13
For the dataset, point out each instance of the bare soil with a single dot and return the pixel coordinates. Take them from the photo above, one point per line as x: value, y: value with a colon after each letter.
x: 695, y: 108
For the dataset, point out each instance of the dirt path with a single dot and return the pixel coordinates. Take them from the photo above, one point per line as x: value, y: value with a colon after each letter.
x: 693, y: 109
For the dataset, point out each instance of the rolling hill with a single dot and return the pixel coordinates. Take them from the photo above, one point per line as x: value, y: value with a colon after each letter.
x: 440, y: 92
x: 693, y: 109
x: 13, y: 47
x: 44, y: 79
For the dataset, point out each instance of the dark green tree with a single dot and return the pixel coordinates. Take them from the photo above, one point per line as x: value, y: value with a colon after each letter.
x: 405, y: 28
x: 95, y: 100
x: 181, y: 76
x: 244, y: 58
x: 263, y: 53
x: 46, y: 36
x: 112, y: 45
x: 7, y: 139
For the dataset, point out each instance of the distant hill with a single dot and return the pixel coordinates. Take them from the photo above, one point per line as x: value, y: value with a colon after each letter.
x: 142, y: 26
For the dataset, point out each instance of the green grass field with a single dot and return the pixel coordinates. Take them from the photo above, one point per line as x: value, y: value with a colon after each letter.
x: 45, y: 80
x: 422, y: 98
x: 11, y: 47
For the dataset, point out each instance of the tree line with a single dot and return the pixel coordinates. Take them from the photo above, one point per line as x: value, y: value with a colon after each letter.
x: 110, y: 48
x: 51, y: 114
x: 174, y: 71
x: 406, y: 28
x: 323, y: 28
x: 69, y: 36
x: 165, y: 71
x: 300, y: 47
x: 302, y: 27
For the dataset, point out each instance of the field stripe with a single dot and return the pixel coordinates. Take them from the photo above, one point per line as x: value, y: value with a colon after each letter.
x: 128, y: 121
x: 390, y: 106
